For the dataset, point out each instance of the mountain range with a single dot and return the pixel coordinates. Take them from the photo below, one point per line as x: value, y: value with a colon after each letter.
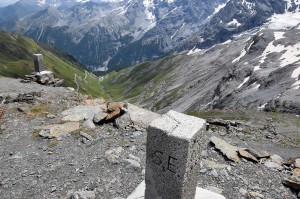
x: 111, y: 35
x: 205, y: 54
x: 257, y: 70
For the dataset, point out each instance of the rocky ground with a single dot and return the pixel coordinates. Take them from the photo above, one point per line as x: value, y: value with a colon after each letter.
x: 80, y: 158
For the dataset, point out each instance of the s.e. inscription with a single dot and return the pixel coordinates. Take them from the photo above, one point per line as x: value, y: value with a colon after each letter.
x: 158, y: 160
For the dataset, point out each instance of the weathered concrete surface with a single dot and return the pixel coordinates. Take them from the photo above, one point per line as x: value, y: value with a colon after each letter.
x: 140, y: 116
x: 38, y: 62
x: 173, y: 155
x: 139, y: 193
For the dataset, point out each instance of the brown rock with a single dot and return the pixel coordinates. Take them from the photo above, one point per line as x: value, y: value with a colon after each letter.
x: 113, y: 115
x: 297, y: 163
x: 276, y: 159
x: 291, y: 161
x: 54, y: 131
x: 291, y: 183
x: 114, y: 106
x: 245, y: 154
x: 227, y: 149
x: 296, y: 172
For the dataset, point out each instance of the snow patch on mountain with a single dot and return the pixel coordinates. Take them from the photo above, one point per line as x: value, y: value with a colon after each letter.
x: 217, y: 9
x: 244, y: 82
x: 279, y: 35
x: 284, y: 21
x: 149, y: 5
x: 234, y: 22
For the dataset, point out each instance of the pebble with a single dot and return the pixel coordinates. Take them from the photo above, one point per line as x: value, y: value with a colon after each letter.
x: 214, y: 173
x: 133, y: 164
x: 243, y: 191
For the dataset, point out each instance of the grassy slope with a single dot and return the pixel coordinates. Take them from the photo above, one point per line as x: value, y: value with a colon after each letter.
x: 140, y: 83
x: 16, y: 60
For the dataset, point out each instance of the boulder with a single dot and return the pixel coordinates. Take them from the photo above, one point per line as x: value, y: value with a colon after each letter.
x: 247, y: 155
x: 80, y: 113
x: 123, y: 121
x: 45, y: 77
x: 141, y: 117
x: 88, y: 124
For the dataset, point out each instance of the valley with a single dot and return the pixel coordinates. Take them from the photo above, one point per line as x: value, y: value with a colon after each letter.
x: 126, y: 63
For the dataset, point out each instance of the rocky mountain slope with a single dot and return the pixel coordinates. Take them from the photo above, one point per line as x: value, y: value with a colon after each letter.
x: 86, y: 160
x: 16, y: 60
x: 256, y: 70
x: 117, y: 34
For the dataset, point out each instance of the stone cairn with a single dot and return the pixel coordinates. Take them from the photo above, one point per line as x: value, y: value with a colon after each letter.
x: 173, y: 159
x: 40, y: 75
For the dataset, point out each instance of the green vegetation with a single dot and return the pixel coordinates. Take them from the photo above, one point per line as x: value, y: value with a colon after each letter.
x: 53, y: 143
x: 297, y: 140
x: 36, y: 134
x: 39, y: 110
x: 218, y: 114
x: 16, y: 60
x: 128, y: 84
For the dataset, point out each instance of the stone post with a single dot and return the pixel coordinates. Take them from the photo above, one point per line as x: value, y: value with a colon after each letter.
x: 173, y: 156
x: 38, y: 63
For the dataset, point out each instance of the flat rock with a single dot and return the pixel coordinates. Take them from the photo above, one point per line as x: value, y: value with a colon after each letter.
x: 99, y: 116
x: 227, y: 149
x: 140, y: 116
x: 139, y: 193
x: 259, y: 154
x: 80, y: 113
x: 245, y: 154
x: 81, y: 195
x: 291, y: 183
x: 272, y: 165
x: 88, y: 124
x: 54, y: 131
x: 123, y: 122
x: 276, y: 159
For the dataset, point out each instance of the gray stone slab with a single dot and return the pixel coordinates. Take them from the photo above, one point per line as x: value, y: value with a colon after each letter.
x: 173, y: 156
x: 139, y: 193
x: 38, y: 62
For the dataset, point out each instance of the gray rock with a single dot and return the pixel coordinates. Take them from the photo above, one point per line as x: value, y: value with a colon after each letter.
x: 112, y: 156
x: 123, y: 121
x: 50, y: 116
x: 87, y: 136
x: 214, y: 173
x: 99, y: 116
x: 272, y: 165
x: 243, y: 191
x: 276, y: 159
x: 88, y: 124
x: 80, y: 113
x: 133, y: 164
x: 45, y: 133
x: 81, y: 195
